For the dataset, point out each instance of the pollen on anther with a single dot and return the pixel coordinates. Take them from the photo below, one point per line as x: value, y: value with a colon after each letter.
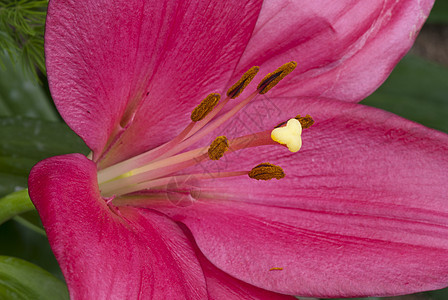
x: 271, y: 80
x: 266, y: 171
x: 306, y: 121
x: 205, y: 107
x: 218, y: 147
x: 241, y: 84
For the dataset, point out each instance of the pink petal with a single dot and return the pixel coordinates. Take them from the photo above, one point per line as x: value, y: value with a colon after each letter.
x: 122, y: 254
x: 105, y: 59
x: 221, y: 286
x: 344, y: 49
x: 362, y: 210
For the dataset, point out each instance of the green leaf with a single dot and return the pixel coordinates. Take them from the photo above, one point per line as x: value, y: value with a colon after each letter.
x: 439, y: 294
x: 14, y: 204
x: 417, y: 90
x: 368, y: 298
x: 19, y: 241
x: 31, y: 220
x: 24, y: 142
x: 439, y: 13
x: 21, y: 96
x: 20, y: 279
x: 20, y: 203
x: 22, y: 32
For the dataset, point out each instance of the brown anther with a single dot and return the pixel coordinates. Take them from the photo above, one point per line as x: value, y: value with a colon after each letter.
x: 218, y: 147
x: 205, y: 107
x: 271, y: 80
x: 241, y: 84
x: 266, y: 171
x: 306, y: 121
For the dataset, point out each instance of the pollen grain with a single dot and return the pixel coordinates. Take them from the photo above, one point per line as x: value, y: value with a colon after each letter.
x: 271, y: 80
x: 266, y: 171
x: 206, y: 106
x: 241, y: 84
x: 218, y: 147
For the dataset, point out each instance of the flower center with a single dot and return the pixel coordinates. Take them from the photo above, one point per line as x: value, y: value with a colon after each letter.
x: 158, y: 168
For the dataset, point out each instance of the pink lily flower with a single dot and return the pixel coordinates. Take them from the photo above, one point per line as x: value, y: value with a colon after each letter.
x: 156, y: 212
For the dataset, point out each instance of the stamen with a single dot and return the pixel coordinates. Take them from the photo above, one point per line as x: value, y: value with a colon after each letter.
x: 266, y: 171
x: 218, y: 147
x: 211, y: 126
x: 306, y: 122
x: 162, y: 183
x: 290, y: 135
x: 156, y: 168
x: 205, y: 107
x: 271, y: 80
x: 241, y: 84
x: 167, y: 166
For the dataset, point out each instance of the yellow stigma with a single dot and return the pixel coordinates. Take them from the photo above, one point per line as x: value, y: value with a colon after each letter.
x: 218, y: 147
x: 290, y: 135
x: 241, y: 84
x: 205, y: 107
x: 266, y: 171
x: 271, y: 80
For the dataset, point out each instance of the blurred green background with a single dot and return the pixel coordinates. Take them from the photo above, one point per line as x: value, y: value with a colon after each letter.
x: 31, y: 130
